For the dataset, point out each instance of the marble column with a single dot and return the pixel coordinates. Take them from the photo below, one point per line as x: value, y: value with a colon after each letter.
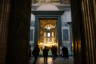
x: 78, y: 34
x: 89, y: 19
x: 18, y: 50
x: 84, y: 30
x: 4, y: 17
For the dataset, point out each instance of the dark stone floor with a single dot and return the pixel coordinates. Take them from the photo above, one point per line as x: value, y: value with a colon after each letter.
x: 50, y: 60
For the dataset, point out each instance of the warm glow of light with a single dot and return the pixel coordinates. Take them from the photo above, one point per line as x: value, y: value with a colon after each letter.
x: 77, y: 45
x: 49, y: 26
x: 48, y: 35
x: 48, y: 44
x: 72, y: 45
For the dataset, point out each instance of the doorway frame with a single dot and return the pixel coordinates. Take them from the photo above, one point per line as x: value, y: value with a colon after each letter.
x: 48, y: 17
x: 76, y: 6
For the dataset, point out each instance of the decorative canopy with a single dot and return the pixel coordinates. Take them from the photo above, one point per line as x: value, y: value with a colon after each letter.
x: 47, y: 7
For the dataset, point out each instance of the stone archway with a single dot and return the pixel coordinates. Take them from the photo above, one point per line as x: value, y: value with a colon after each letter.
x: 17, y: 43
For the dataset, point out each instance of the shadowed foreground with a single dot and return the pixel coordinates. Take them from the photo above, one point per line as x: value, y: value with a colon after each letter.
x: 58, y: 60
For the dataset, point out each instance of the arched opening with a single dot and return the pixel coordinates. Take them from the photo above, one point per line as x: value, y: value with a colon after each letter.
x: 18, y: 31
x: 52, y: 26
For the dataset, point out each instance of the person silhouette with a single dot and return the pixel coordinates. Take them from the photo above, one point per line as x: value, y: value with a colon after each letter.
x: 35, y: 53
x: 65, y: 52
x: 54, y: 52
x: 45, y: 54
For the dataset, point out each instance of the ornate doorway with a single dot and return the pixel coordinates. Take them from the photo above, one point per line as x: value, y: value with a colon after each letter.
x: 47, y: 32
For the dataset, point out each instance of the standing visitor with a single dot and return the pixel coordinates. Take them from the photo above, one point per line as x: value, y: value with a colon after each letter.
x: 35, y: 53
x: 45, y: 53
x: 54, y: 52
x: 65, y: 52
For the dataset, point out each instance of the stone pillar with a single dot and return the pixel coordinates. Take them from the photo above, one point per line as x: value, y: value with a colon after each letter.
x: 89, y: 19
x: 78, y: 33
x: 18, y: 32
x: 84, y: 31
x: 4, y: 15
